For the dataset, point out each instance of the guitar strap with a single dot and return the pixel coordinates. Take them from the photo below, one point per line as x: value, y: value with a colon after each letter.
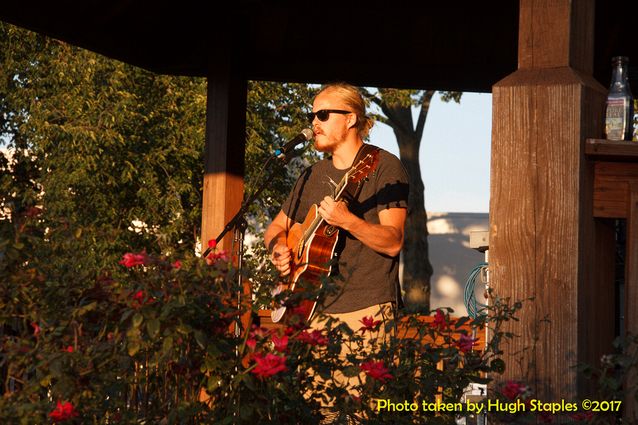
x: 352, y: 193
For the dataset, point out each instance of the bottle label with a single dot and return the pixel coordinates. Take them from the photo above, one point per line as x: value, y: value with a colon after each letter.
x: 616, y: 118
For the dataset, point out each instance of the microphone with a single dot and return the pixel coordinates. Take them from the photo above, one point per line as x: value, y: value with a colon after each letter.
x: 306, y: 135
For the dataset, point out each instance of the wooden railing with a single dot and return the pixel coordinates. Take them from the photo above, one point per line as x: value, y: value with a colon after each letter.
x: 405, y: 330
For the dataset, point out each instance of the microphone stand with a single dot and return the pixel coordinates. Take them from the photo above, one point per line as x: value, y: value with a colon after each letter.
x: 238, y: 224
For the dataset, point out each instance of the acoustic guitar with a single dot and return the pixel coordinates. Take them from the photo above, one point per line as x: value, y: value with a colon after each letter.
x: 313, y: 242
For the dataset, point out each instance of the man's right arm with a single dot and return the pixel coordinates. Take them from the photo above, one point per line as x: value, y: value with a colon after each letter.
x: 275, y: 240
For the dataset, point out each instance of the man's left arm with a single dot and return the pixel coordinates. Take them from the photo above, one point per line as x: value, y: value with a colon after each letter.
x: 385, y: 237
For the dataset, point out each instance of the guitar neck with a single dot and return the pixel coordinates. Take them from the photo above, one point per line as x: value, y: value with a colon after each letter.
x: 356, y: 173
x: 312, y: 228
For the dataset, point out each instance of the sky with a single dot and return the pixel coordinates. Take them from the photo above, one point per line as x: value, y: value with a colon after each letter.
x: 455, y: 153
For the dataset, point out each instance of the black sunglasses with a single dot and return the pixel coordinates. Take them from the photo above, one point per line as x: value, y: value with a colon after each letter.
x: 324, y: 114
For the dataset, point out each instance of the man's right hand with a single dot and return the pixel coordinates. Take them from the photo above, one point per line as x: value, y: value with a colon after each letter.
x: 281, y: 257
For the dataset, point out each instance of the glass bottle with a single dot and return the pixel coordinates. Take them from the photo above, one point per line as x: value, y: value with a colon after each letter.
x: 619, y: 114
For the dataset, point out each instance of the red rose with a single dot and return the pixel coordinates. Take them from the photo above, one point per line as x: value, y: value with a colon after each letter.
x: 281, y: 344
x: 582, y: 416
x: 63, y: 411
x: 221, y: 255
x: 439, y: 322
x: 269, y: 365
x: 369, y: 324
x: 513, y: 389
x: 138, y: 299
x: 465, y: 343
x: 139, y: 296
x: 33, y: 212
x: 376, y: 370
x: 130, y: 259
x: 251, y: 343
x: 312, y: 338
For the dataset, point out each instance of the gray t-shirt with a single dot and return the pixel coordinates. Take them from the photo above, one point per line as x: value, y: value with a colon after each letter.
x: 369, y: 277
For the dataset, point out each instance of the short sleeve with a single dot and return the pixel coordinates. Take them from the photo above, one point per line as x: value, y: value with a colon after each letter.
x: 392, y: 185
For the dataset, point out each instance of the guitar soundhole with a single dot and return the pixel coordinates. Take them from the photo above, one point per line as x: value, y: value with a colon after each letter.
x: 329, y: 231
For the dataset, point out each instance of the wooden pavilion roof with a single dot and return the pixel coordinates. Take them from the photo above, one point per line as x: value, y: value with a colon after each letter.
x: 463, y: 45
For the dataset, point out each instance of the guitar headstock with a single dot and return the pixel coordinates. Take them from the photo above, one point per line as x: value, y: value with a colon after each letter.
x: 366, y: 165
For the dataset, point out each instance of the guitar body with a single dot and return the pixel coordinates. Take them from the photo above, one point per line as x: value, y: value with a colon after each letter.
x: 310, y: 261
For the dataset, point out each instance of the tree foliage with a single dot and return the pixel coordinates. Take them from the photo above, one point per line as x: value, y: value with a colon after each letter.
x: 273, y: 116
x: 113, y: 150
x: 117, y: 151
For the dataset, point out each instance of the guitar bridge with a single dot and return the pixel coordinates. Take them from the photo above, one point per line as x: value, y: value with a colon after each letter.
x: 329, y: 230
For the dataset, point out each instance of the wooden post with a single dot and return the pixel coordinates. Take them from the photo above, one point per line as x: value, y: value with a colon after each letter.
x: 224, y: 152
x: 224, y: 155
x: 224, y: 159
x: 542, y: 231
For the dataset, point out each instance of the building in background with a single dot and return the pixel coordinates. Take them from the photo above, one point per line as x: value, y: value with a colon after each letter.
x: 453, y: 259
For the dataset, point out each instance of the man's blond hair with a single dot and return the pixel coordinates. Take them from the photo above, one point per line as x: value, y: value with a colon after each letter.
x: 351, y: 95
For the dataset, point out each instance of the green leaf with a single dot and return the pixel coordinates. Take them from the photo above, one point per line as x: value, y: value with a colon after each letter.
x: 137, y: 320
x: 46, y: 380
x: 213, y: 382
x: 126, y: 315
x: 167, y: 344
x: 498, y: 366
x: 351, y: 371
x: 201, y: 339
x: 461, y: 321
x: 85, y: 309
x: 183, y: 329
x: 133, y: 347
x: 153, y: 327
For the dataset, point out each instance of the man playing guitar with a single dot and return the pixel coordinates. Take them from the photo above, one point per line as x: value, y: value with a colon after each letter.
x: 370, y: 226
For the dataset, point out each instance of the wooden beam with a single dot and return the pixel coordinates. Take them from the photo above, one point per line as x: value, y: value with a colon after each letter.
x: 556, y: 33
x: 542, y: 230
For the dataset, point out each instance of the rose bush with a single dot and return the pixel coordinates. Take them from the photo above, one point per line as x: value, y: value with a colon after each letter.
x: 148, y: 338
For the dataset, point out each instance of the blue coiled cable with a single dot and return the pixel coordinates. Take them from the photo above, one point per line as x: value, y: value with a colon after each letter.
x: 474, y: 308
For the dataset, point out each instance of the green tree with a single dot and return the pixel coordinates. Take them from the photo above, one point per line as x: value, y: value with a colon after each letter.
x: 275, y: 113
x: 117, y: 151
x: 396, y: 107
x: 113, y: 150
